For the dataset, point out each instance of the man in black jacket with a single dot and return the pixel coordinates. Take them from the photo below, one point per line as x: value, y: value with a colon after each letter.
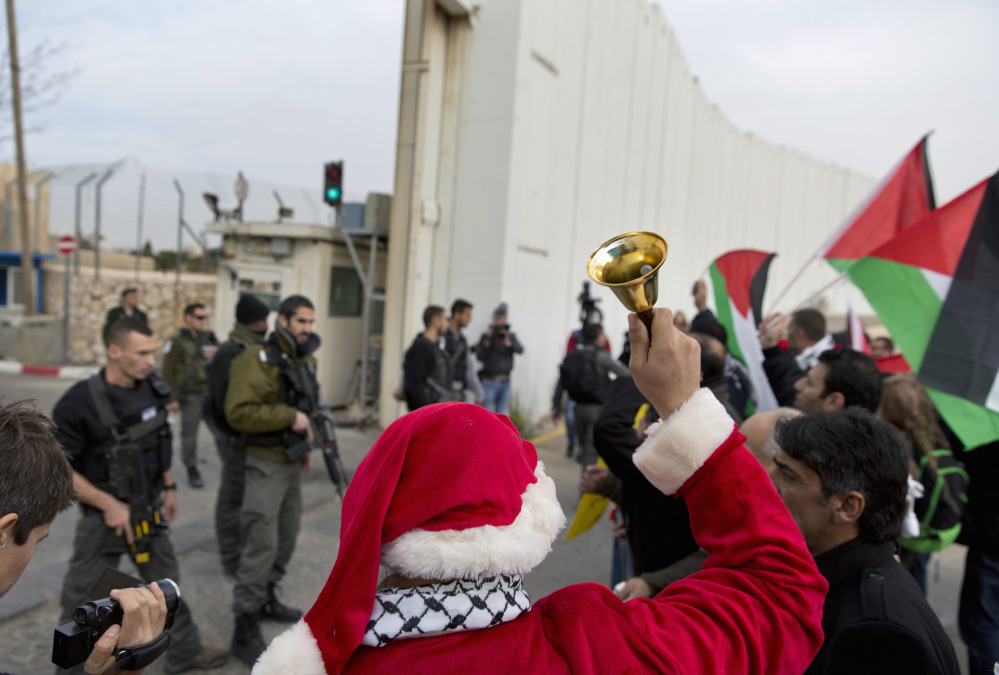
x: 424, y: 369
x: 843, y: 476
x: 978, y: 617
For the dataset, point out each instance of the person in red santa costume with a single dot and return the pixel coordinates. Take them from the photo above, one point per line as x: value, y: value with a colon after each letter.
x: 459, y: 508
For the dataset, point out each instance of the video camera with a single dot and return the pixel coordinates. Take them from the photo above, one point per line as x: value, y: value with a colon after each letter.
x: 73, y: 641
x: 501, y: 331
x: 588, y: 310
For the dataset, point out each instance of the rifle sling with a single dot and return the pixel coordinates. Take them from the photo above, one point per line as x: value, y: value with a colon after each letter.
x: 107, y: 417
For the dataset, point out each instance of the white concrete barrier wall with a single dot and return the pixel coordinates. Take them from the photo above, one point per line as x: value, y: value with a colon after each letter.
x: 554, y: 125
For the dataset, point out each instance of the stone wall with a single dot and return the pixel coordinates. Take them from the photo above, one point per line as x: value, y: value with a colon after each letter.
x: 90, y: 299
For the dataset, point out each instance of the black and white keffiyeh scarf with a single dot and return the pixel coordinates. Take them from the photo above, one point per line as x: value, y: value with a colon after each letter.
x: 464, y: 604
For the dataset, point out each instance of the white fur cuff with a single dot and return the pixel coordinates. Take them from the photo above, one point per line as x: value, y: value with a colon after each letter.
x: 675, y: 448
x: 293, y: 652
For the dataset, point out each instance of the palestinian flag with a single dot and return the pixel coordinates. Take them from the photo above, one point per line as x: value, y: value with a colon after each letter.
x: 962, y: 358
x: 902, y: 198
x: 909, y: 282
x: 739, y: 279
x: 856, y: 338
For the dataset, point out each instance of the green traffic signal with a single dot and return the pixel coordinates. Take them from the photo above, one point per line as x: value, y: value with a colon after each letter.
x: 333, y: 194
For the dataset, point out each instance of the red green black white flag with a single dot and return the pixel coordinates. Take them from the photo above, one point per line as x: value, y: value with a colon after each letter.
x: 902, y: 198
x: 935, y: 287
x: 739, y: 279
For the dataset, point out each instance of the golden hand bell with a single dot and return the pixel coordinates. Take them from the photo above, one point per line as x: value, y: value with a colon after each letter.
x: 629, y: 265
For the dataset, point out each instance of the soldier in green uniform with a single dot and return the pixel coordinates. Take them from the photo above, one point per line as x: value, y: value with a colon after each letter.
x: 185, y: 359
x: 263, y: 403
x: 250, y: 329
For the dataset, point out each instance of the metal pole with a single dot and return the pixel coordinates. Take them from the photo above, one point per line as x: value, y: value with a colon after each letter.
x: 180, y: 234
x: 138, y: 236
x: 8, y: 215
x: 76, y: 225
x: 367, y: 284
x: 27, y: 268
x: 65, y: 311
x: 97, y: 222
x: 38, y: 209
x: 369, y: 291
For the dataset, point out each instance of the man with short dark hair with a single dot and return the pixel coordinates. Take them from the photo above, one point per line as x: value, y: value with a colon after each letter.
x: 424, y: 368
x: 37, y: 483
x: 841, y: 378
x: 264, y: 401
x: 137, y: 400
x: 185, y: 361
x: 129, y: 308
x: 806, y: 339
x: 461, y: 374
x: 843, y: 476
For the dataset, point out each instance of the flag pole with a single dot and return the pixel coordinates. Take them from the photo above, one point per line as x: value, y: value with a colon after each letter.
x: 792, y: 282
x: 822, y: 290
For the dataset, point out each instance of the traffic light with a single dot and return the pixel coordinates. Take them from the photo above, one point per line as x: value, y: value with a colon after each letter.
x: 333, y: 185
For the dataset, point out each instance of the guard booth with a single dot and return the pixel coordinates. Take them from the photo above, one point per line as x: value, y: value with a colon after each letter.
x: 327, y: 265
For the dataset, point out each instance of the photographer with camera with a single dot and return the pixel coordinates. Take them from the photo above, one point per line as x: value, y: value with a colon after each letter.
x: 495, y: 351
x: 113, y: 427
x: 36, y: 483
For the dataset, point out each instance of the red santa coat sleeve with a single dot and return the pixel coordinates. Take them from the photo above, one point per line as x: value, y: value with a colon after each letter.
x: 755, y: 607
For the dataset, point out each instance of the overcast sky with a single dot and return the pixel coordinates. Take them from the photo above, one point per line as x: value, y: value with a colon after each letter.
x: 276, y: 89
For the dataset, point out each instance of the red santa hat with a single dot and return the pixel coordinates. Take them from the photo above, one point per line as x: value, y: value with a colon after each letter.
x: 449, y: 491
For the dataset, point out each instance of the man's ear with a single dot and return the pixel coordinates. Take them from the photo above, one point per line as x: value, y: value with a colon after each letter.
x: 834, y: 401
x: 849, y: 508
x: 7, y: 523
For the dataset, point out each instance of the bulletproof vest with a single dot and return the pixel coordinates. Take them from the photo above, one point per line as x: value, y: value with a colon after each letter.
x: 150, y: 438
x: 289, y: 395
x: 213, y: 406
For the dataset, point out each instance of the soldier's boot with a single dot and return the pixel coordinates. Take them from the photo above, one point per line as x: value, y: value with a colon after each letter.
x: 274, y: 610
x: 247, y: 644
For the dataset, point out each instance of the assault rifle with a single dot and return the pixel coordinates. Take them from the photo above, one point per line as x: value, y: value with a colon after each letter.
x: 303, y: 377
x: 127, y: 474
x: 128, y: 479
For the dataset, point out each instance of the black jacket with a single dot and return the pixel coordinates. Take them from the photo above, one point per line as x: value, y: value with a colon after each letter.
x: 496, y: 358
x: 782, y: 372
x: 86, y: 440
x: 424, y: 373
x: 981, y: 516
x: 658, y: 525
x: 116, y: 313
x: 875, y: 618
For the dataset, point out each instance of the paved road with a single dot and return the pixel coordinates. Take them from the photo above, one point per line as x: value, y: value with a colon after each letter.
x: 31, y: 610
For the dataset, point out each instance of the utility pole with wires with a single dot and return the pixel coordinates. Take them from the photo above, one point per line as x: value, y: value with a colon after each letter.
x: 22, y: 191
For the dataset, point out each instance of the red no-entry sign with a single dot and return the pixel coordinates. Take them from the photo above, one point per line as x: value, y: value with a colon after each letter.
x: 66, y: 244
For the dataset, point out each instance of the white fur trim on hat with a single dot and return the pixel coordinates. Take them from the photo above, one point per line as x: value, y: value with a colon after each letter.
x: 293, y: 652
x: 675, y: 448
x: 485, y: 551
